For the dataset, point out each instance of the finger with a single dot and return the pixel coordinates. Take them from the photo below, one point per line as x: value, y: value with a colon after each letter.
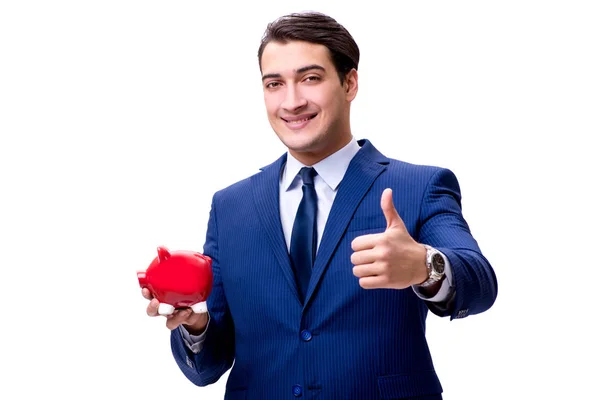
x: 178, y: 318
x: 363, y: 257
x: 365, y: 242
x: 373, y: 282
x: 146, y: 293
x: 364, y: 270
x: 389, y: 210
x: 152, y: 309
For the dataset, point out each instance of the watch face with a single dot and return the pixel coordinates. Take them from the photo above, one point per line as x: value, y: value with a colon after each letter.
x: 437, y: 262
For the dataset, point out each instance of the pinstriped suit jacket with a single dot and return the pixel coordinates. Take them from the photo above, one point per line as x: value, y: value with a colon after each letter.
x: 344, y: 342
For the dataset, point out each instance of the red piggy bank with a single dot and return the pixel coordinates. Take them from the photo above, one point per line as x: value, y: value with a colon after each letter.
x: 178, y: 279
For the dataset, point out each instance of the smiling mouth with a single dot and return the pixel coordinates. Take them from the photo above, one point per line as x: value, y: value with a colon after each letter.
x: 299, y: 121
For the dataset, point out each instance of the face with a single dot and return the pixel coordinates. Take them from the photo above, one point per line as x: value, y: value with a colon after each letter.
x: 307, y: 106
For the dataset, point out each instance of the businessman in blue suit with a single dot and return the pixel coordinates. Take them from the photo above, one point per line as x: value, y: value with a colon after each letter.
x: 327, y: 262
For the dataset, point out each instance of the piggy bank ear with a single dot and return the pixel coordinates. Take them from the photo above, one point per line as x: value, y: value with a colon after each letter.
x: 163, y: 254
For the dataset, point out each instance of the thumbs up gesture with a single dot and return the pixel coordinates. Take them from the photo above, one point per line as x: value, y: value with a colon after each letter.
x: 392, y: 259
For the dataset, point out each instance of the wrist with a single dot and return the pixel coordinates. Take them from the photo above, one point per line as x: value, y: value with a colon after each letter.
x: 422, y: 273
x: 197, y: 327
x: 435, y: 266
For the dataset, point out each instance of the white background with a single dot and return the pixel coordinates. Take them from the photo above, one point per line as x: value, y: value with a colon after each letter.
x: 119, y: 120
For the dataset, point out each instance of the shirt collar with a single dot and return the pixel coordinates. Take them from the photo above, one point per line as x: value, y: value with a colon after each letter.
x: 331, y: 169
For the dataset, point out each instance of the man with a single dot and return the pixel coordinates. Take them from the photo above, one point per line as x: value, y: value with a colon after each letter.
x: 326, y: 262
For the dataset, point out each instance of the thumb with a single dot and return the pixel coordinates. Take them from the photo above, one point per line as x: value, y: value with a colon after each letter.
x: 389, y: 210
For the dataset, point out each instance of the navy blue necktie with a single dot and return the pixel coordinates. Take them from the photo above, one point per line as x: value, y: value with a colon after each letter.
x: 304, y: 233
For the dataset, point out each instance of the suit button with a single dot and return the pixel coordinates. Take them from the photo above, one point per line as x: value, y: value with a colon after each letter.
x: 297, y: 390
x: 306, y: 335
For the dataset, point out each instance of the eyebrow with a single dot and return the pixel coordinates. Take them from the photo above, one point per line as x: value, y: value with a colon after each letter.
x: 298, y: 71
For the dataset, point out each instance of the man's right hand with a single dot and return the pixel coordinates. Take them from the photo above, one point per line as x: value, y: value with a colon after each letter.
x: 194, y: 323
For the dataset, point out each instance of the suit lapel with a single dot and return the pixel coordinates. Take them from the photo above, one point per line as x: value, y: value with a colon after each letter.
x: 265, y: 188
x: 364, y: 168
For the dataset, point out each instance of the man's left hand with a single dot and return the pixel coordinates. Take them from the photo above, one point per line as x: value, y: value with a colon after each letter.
x: 392, y: 259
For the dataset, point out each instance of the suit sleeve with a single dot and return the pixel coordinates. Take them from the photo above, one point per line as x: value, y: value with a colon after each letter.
x: 217, y: 353
x: 442, y: 226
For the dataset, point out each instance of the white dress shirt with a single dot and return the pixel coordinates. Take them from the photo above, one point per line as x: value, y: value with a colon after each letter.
x: 330, y: 172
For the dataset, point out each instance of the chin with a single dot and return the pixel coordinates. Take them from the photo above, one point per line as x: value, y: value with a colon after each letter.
x: 300, y: 141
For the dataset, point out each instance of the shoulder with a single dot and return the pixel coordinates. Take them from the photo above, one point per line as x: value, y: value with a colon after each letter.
x: 419, y: 172
x: 399, y: 169
x: 240, y: 192
x: 236, y: 191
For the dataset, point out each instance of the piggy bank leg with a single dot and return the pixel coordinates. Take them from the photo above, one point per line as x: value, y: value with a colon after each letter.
x: 165, y: 309
x: 200, y: 308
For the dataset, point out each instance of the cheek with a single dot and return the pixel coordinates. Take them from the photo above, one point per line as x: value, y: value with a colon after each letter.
x: 272, y: 105
x: 330, y: 109
x: 328, y: 101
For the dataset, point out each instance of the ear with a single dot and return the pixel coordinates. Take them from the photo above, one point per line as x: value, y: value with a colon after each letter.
x: 351, y: 84
x: 163, y: 254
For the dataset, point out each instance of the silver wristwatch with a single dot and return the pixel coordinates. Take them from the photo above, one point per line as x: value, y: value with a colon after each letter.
x: 436, y: 266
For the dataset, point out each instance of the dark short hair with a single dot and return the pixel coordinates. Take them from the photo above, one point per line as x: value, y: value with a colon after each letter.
x: 314, y: 27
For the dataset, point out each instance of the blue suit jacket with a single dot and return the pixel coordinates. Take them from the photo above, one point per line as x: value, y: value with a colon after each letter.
x: 344, y: 342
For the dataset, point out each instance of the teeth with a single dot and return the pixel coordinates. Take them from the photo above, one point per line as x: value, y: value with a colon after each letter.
x: 299, y: 121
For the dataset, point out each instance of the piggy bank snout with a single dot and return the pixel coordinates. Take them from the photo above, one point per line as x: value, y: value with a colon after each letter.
x: 141, y: 275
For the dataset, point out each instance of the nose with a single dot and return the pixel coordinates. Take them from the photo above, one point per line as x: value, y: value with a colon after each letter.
x: 293, y: 100
x: 142, y: 278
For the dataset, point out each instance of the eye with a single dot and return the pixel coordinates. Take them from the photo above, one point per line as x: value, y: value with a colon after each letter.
x: 313, y: 78
x: 272, y: 85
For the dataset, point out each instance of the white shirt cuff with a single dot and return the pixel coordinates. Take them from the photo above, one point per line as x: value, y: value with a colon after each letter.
x: 194, y: 342
x: 445, y: 290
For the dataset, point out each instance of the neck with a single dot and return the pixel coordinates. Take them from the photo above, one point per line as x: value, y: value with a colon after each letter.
x: 313, y: 157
